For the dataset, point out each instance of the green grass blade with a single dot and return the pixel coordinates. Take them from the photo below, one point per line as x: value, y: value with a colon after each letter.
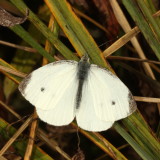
x: 143, y: 154
x: 142, y: 135
x: 45, y: 31
x: 148, y: 16
x: 27, y: 38
x: 20, y: 146
x: 75, y: 30
x: 143, y: 24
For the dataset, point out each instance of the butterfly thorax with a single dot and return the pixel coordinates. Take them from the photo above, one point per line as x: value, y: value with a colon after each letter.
x: 82, y: 75
x: 83, y: 68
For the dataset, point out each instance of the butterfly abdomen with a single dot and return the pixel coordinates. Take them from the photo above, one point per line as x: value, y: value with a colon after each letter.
x: 82, y: 74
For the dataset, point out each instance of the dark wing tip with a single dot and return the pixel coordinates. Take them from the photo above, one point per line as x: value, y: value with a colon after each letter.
x: 132, y: 103
x: 24, y: 83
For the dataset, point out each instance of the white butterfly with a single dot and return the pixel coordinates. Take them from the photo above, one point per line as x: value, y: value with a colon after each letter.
x: 67, y: 89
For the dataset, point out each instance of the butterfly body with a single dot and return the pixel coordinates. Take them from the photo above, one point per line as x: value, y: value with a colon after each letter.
x: 82, y: 75
x: 67, y: 89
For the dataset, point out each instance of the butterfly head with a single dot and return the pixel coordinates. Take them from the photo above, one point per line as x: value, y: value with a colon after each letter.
x: 85, y: 58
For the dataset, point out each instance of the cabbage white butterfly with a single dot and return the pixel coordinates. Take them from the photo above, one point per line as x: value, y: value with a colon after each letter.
x: 67, y: 89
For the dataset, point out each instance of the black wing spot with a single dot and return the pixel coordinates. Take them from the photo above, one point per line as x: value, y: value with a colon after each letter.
x: 113, y: 102
x: 42, y: 89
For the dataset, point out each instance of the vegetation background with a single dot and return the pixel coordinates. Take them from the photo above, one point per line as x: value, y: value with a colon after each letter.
x: 124, y: 33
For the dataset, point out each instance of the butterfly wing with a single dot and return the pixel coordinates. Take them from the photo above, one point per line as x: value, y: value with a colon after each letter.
x: 112, y: 99
x: 52, y: 89
x: 64, y: 111
x: 86, y: 116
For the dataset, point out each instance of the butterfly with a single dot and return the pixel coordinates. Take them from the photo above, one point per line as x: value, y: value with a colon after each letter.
x: 66, y: 89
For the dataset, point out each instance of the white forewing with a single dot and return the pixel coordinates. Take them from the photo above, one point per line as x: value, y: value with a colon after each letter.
x: 111, y: 98
x: 51, y: 85
x: 64, y: 111
x: 86, y: 114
